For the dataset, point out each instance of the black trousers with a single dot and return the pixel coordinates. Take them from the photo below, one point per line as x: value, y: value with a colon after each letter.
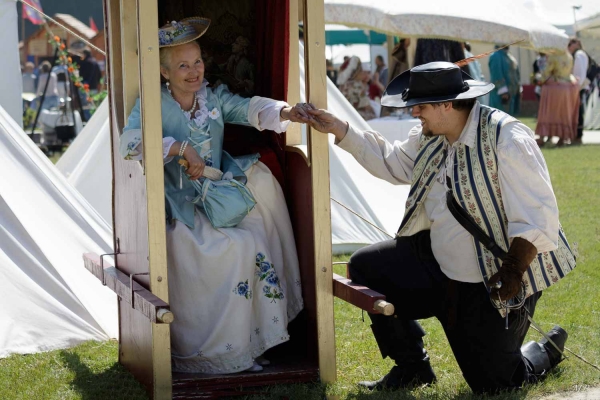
x: 582, y: 103
x: 405, y: 270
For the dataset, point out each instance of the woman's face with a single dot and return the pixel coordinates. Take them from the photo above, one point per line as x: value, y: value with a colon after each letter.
x: 185, y: 68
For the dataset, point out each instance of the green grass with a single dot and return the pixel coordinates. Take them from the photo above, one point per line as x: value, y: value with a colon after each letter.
x: 91, y: 371
x: 529, y: 121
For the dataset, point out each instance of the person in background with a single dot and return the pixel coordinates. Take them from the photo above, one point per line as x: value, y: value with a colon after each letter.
x: 581, y: 61
x: 397, y: 65
x: 559, y: 102
x: 352, y: 81
x: 29, y: 78
x: 90, y: 70
x: 399, y: 62
x: 430, y: 50
x: 504, y: 74
x: 539, y: 65
x: 46, y: 75
x: 475, y: 70
x: 331, y: 71
x: 379, y: 79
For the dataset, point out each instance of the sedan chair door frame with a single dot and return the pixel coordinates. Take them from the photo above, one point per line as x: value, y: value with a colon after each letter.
x: 140, y: 275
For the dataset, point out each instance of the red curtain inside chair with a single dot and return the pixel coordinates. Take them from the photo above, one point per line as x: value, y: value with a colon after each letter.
x: 272, y: 44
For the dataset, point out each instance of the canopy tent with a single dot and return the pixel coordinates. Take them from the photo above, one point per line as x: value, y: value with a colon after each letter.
x: 340, y: 34
x: 378, y: 201
x: 492, y: 22
x: 50, y: 300
x: 86, y: 161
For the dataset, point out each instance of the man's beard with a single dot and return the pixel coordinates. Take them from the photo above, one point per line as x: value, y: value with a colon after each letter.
x: 427, y: 132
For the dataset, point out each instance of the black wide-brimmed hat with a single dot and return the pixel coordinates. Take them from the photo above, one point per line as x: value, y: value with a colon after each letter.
x: 435, y: 82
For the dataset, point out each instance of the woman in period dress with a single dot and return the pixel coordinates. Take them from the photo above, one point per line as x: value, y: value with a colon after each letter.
x: 559, y: 101
x: 352, y: 83
x: 232, y: 290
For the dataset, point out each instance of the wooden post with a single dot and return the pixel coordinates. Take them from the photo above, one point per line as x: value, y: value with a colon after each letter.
x: 151, y: 121
x: 293, y: 136
x: 316, y: 93
x: 113, y: 58
x: 130, y: 78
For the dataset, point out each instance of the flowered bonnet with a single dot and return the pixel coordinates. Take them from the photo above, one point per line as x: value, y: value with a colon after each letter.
x: 184, y: 31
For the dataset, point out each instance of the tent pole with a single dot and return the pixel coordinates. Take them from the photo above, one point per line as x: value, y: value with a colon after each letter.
x: 37, y: 114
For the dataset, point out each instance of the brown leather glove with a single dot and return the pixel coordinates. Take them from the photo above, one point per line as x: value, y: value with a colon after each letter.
x: 514, y: 265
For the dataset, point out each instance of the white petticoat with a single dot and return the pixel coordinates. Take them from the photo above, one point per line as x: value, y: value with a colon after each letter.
x: 233, y: 290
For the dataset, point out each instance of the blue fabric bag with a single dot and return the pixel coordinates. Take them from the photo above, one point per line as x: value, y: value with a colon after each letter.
x: 226, y: 202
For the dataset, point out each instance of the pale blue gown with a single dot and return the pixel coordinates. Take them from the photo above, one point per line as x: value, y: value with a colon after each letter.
x: 232, y: 290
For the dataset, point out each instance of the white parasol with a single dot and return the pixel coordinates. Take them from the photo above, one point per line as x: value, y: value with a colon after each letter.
x: 486, y: 21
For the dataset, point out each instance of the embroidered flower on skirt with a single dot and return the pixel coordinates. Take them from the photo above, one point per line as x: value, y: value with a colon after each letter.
x: 265, y: 271
x: 243, y: 289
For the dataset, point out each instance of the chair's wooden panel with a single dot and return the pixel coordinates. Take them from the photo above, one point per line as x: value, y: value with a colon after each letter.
x: 299, y: 198
x: 130, y: 227
x: 318, y: 145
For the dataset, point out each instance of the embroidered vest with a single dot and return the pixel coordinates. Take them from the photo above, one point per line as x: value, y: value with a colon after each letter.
x: 476, y: 187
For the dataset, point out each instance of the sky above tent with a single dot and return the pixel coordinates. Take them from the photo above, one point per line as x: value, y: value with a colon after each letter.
x: 560, y: 12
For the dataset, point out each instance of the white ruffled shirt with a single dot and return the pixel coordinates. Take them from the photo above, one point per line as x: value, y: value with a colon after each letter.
x: 527, y: 194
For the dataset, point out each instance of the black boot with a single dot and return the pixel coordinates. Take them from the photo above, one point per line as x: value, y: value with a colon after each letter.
x: 402, y: 342
x: 542, y: 356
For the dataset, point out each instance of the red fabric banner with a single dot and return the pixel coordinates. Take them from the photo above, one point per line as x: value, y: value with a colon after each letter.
x: 93, y: 25
x: 32, y: 15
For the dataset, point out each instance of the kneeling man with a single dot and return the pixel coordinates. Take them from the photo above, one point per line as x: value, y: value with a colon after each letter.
x: 482, y: 289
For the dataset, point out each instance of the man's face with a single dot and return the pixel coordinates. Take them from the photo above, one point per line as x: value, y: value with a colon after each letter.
x: 433, y: 119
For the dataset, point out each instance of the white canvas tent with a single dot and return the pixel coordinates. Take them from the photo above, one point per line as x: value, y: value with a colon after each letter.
x: 50, y: 300
x: 87, y: 164
x: 490, y: 22
x: 378, y: 201
x: 87, y: 160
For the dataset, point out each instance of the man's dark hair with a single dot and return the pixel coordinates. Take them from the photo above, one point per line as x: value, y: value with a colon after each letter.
x: 460, y: 105
x: 574, y: 40
x: 467, y: 46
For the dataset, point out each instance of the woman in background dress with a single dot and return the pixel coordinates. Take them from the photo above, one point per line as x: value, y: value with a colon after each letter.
x: 559, y: 101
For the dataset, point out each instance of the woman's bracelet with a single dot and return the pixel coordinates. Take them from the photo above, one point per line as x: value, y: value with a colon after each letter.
x: 182, y: 148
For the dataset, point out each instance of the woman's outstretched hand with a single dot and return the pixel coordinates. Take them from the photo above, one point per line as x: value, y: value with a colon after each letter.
x: 298, y: 113
x: 196, y: 163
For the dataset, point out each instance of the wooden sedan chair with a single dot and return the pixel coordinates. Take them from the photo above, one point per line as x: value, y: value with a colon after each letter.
x: 140, y: 276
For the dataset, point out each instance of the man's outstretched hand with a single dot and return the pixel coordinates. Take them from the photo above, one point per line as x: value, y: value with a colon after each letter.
x: 326, y: 122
